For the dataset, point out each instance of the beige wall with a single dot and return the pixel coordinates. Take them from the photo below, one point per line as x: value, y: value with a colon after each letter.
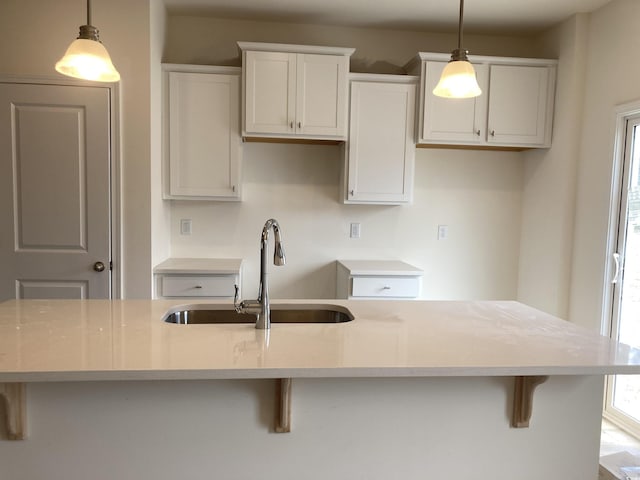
x: 549, y: 188
x: 206, y: 40
x: 611, y: 79
x: 477, y: 194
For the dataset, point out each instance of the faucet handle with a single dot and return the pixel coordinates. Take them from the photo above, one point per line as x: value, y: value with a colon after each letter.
x: 236, y: 305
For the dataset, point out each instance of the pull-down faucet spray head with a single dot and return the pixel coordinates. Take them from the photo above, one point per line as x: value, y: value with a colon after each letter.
x: 278, y: 249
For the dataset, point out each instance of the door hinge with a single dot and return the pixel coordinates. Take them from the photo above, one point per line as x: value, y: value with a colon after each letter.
x: 110, y: 265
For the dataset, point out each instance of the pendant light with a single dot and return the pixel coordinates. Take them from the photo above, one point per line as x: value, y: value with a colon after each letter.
x: 458, y: 78
x: 86, y: 57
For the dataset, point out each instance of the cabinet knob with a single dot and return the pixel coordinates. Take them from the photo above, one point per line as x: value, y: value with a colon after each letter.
x: 198, y: 286
x: 351, y: 192
x: 478, y: 132
x: 291, y: 125
x: 493, y: 133
x: 299, y: 124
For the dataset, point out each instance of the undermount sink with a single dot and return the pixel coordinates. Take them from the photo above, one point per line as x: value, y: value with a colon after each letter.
x: 209, y: 314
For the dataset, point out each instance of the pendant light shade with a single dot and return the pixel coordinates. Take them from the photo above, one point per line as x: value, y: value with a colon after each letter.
x: 86, y: 57
x: 458, y: 78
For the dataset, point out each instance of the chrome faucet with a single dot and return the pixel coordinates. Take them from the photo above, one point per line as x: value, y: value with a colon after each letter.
x: 260, y: 307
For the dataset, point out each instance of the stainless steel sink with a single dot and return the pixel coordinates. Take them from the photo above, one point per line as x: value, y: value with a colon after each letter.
x: 209, y: 314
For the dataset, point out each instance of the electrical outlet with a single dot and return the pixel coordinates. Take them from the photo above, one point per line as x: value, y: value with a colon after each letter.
x: 185, y: 226
x: 443, y: 232
x: 355, y: 230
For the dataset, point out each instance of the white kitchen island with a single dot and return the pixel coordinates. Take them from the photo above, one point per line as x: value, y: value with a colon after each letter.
x: 406, y: 390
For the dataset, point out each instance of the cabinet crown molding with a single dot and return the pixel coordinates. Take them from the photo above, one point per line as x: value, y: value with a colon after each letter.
x: 289, y: 48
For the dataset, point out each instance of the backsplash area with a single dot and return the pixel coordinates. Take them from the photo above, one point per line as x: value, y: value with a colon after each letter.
x: 476, y: 194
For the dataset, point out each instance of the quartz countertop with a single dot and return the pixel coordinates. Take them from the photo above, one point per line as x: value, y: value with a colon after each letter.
x: 77, y: 340
x: 380, y: 267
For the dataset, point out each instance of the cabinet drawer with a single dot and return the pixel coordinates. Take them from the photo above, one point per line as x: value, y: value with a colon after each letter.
x: 198, y: 286
x: 402, y: 287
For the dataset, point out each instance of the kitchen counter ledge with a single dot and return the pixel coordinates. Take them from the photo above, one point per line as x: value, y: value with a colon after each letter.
x: 99, y: 340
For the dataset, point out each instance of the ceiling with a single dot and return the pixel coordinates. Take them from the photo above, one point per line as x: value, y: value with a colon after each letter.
x: 480, y: 16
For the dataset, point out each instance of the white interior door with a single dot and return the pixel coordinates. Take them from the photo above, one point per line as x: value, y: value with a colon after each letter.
x: 54, y: 191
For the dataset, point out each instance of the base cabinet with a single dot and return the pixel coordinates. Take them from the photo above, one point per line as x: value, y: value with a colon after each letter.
x: 203, y: 146
x: 197, y: 278
x: 515, y: 109
x: 380, y: 151
x: 377, y: 279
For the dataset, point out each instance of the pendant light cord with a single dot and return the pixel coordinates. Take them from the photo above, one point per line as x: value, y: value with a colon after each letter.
x: 460, y: 24
x: 88, y: 12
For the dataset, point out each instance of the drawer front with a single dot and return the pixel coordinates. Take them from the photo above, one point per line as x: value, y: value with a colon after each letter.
x: 393, y: 287
x: 198, y: 286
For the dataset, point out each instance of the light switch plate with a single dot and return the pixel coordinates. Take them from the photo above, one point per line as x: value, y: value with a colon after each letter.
x: 185, y: 226
x: 443, y: 232
x: 355, y: 230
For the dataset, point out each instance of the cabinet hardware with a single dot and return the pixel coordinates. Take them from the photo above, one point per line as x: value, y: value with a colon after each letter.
x: 291, y: 125
x: 478, y: 132
x: 299, y: 124
x: 351, y: 192
x: 493, y: 133
x: 198, y: 286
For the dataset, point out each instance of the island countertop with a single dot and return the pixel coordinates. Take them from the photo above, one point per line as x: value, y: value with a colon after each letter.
x: 80, y: 340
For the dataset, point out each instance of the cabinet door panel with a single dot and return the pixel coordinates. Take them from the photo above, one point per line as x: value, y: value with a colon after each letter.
x: 270, y: 92
x: 321, y: 94
x: 448, y: 120
x: 204, y: 139
x: 518, y: 102
x: 381, y: 149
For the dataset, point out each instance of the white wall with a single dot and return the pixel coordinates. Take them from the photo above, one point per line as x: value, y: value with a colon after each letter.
x: 160, y: 212
x: 35, y: 34
x: 611, y: 79
x: 478, y: 194
x: 549, y: 188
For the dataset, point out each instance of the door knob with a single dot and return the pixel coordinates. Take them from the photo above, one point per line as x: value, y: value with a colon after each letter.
x: 98, y: 266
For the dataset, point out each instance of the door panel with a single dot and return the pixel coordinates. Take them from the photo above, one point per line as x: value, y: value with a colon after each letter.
x: 449, y: 120
x: 55, y: 189
x: 623, y: 391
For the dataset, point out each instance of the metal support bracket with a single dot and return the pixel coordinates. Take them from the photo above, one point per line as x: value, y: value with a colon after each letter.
x: 14, y: 396
x: 523, y: 399
x: 283, y: 405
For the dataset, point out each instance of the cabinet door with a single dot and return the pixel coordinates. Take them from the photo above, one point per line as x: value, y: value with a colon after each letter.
x: 519, y: 101
x: 270, y: 94
x: 449, y: 120
x: 381, y: 148
x: 322, y: 95
x: 204, y: 135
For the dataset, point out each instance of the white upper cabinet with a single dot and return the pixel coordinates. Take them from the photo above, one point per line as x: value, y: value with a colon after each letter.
x: 520, y: 105
x: 202, y: 146
x: 515, y: 109
x: 453, y: 120
x: 294, y: 91
x: 380, y: 151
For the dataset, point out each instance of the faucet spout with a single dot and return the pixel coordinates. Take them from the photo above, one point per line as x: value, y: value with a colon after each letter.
x: 261, y: 307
